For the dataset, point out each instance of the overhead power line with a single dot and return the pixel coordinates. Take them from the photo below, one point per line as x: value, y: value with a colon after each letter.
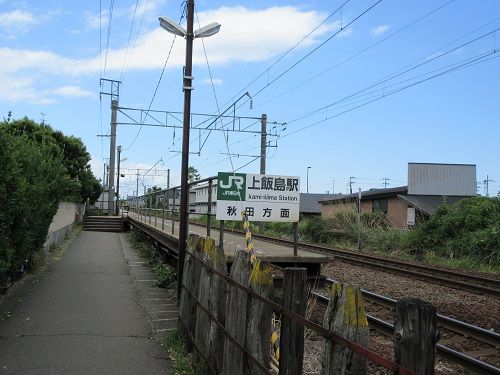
x: 110, y: 19
x: 451, y: 68
x: 340, y: 63
x: 284, y: 54
x: 138, y: 32
x: 154, y: 94
x: 342, y: 28
x: 395, y: 75
x: 470, y: 62
x: 129, y: 36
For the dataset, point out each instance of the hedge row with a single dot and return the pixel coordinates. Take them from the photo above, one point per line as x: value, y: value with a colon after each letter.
x: 33, y: 181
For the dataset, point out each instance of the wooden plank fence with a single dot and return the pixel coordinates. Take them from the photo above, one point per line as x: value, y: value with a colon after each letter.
x: 226, y: 320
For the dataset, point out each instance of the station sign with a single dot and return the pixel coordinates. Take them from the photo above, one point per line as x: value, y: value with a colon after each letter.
x: 262, y: 197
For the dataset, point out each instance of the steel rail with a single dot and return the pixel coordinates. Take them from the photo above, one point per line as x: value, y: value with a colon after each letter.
x: 470, y: 363
x: 463, y: 281
x: 455, y: 325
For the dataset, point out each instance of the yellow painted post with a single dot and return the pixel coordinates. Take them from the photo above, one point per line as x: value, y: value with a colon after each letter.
x: 345, y: 315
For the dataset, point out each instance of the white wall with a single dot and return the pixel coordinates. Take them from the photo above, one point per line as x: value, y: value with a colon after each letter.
x: 62, y: 224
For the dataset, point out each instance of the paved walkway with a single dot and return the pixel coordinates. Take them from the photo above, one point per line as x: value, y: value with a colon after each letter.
x: 94, y: 312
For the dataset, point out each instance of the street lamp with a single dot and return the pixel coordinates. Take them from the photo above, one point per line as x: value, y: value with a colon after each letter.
x: 206, y: 31
x: 307, y: 180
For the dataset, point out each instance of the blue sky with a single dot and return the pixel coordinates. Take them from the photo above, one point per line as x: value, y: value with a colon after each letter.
x: 369, y: 90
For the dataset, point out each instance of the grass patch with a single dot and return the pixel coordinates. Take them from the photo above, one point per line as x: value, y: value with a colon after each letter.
x: 182, y: 360
x: 166, y: 276
x: 467, y: 263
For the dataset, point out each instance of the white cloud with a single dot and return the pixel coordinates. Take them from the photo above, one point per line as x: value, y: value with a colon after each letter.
x: 21, y: 90
x: 216, y: 81
x: 347, y: 32
x: 148, y: 8
x: 379, y: 30
x: 71, y: 91
x: 238, y: 40
x: 16, y: 22
x: 94, y: 21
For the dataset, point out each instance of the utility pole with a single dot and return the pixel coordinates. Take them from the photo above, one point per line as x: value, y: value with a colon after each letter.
x: 119, y: 148
x: 114, y: 93
x: 359, y: 220
x: 168, y: 178
x: 307, y: 180
x: 104, y: 176
x: 350, y: 184
x: 386, y: 182
x: 486, y: 185
x: 187, y: 87
x: 333, y: 186
x: 137, y: 184
x: 263, y: 144
x: 112, y: 146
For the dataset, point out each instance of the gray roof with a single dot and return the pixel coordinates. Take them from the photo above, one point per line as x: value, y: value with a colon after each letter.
x: 368, y: 194
x: 429, y: 203
x: 309, y: 202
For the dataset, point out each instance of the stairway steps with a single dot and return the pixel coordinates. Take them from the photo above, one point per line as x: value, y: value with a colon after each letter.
x: 103, y: 224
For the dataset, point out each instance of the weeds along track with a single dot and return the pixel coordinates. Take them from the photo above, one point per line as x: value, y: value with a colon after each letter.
x: 472, y: 347
x: 453, y: 279
x: 450, y: 278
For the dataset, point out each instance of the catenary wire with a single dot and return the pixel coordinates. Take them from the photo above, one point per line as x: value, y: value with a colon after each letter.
x: 391, y: 35
x: 303, y: 58
x: 156, y: 90
x: 395, y: 75
x: 287, y: 52
x: 138, y: 32
x: 129, y: 37
x: 110, y: 19
x: 480, y: 59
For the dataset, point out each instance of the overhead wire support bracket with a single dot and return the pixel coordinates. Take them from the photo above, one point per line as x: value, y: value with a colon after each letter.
x: 155, y: 122
x: 114, y: 88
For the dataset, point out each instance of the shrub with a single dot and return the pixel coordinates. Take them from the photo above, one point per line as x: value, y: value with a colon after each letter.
x: 166, y: 276
x: 32, y: 184
x: 468, y: 228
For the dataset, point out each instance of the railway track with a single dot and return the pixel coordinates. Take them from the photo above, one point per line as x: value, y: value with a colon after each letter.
x: 452, y: 328
x: 453, y: 279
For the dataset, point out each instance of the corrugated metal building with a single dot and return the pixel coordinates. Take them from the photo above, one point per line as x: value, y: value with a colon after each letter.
x: 429, y: 186
x: 442, y: 179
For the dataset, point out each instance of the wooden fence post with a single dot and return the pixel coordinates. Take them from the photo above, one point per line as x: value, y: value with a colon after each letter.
x: 202, y: 329
x: 415, y: 335
x: 236, y: 317
x: 259, y: 318
x: 190, y: 280
x: 345, y: 315
x: 218, y: 308
x: 292, y: 333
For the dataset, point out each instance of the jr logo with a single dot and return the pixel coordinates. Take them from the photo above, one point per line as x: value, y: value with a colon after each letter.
x: 238, y: 181
x: 231, y: 186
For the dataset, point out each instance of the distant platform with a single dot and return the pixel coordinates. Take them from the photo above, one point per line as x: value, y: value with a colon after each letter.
x: 279, y: 255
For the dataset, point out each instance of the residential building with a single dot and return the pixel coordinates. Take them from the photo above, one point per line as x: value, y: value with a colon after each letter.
x: 429, y: 186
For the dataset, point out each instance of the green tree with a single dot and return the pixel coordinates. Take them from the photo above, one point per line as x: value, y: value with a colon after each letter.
x: 32, y: 184
x: 193, y: 174
x: 154, y: 199
x: 468, y: 228
x: 83, y: 184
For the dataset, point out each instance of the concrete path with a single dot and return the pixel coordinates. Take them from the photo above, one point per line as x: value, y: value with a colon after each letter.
x: 85, y: 316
